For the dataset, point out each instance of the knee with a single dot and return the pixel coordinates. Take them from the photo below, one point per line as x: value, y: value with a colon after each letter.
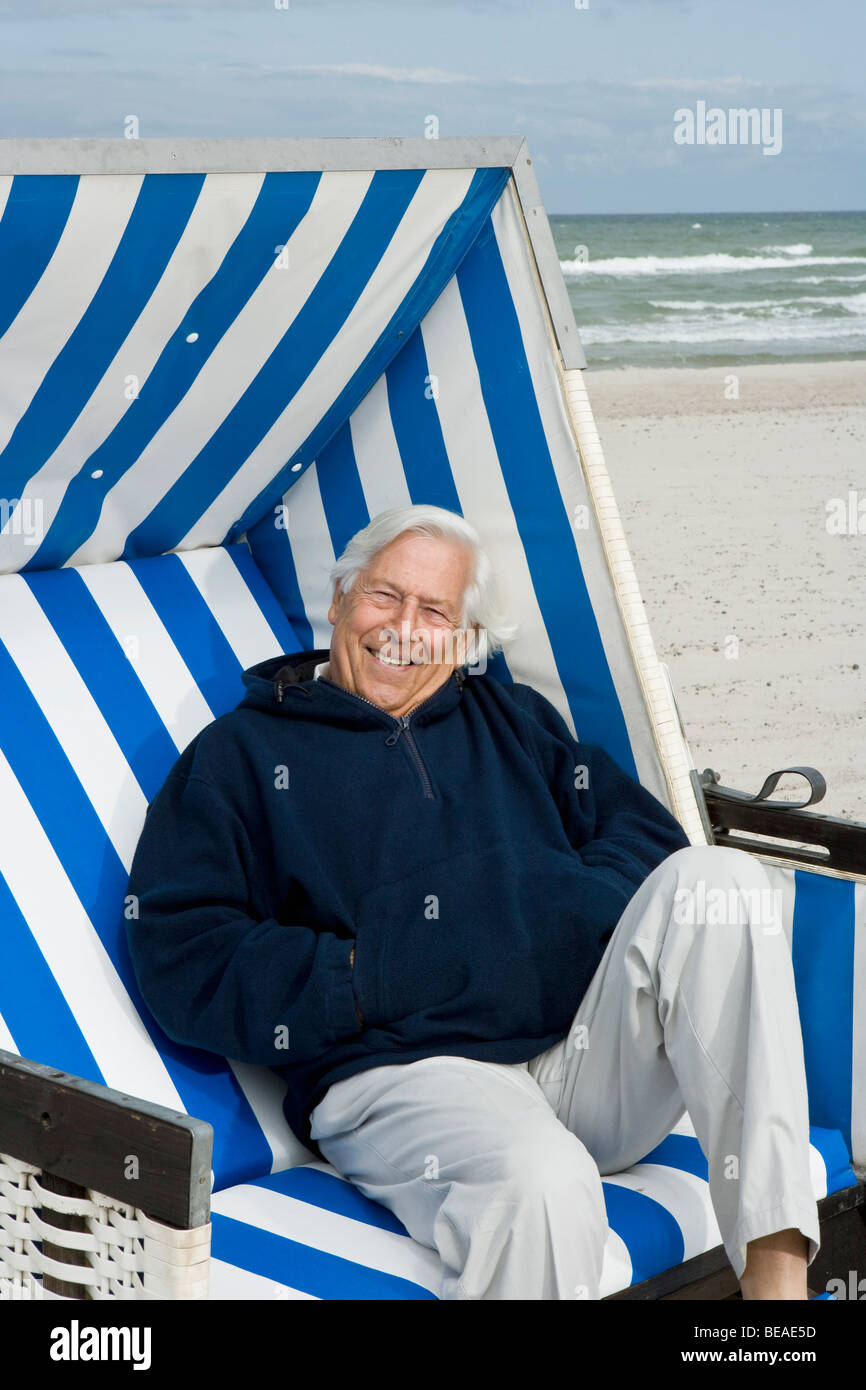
x: 721, y: 885
x: 716, y: 866
x: 552, y: 1172
x: 716, y: 860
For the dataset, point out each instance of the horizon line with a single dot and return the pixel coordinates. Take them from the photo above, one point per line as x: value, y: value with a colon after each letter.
x: 708, y: 212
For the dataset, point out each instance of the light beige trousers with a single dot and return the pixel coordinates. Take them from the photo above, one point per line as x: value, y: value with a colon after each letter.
x: 498, y: 1166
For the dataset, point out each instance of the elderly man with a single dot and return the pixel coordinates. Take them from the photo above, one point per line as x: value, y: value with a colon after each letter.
x: 463, y: 938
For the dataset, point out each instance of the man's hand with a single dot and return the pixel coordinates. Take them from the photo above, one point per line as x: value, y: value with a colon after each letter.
x: 357, y: 1009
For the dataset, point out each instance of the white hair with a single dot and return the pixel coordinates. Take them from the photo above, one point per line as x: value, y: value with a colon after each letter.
x: 480, y: 604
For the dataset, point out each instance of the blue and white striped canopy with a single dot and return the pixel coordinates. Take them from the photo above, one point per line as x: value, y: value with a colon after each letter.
x: 171, y: 345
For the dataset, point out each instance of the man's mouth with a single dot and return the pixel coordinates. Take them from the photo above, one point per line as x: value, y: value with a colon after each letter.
x: 387, y: 662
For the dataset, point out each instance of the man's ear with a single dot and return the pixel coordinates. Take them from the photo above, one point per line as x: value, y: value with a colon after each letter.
x: 335, y: 603
x: 472, y: 644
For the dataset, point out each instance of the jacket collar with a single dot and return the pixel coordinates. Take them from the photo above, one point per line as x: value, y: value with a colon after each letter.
x: 291, y: 676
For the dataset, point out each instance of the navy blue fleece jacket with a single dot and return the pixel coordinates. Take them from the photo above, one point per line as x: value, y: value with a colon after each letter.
x: 477, y: 874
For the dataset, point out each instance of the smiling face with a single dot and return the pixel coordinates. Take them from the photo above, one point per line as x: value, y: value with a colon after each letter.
x: 407, y: 604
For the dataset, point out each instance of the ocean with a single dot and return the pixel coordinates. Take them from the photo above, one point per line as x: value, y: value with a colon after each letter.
x: 711, y: 289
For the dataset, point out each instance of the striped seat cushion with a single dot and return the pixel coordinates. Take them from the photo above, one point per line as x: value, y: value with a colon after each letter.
x: 307, y: 1233
x: 107, y: 673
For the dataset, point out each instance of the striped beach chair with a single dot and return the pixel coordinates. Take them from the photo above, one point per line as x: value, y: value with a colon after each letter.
x: 218, y: 360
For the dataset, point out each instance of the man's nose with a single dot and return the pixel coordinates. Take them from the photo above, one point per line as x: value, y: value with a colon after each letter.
x: 407, y: 614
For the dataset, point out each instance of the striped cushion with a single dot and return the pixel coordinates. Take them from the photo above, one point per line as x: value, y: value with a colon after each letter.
x: 307, y: 1233
x: 106, y: 674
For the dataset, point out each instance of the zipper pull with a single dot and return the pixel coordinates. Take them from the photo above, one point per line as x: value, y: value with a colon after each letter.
x: 392, y: 738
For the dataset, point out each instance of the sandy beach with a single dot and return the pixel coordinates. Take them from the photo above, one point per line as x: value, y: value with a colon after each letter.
x: 757, y: 607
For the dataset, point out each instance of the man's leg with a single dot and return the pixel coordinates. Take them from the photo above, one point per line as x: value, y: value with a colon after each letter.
x: 776, y: 1266
x: 689, y: 1012
x: 471, y: 1158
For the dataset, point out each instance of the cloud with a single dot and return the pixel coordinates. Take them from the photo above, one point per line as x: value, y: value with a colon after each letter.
x: 380, y: 73
x: 695, y: 84
x: 178, y: 9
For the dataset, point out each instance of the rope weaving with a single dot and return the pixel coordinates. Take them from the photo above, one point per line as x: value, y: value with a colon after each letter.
x: 129, y: 1255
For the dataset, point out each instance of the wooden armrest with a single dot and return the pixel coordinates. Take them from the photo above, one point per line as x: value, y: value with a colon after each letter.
x: 126, y: 1148
x: 842, y: 842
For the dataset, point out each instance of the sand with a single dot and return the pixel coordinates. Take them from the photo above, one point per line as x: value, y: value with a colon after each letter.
x: 757, y: 608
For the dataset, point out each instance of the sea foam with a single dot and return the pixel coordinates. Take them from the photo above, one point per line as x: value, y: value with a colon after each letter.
x: 719, y: 262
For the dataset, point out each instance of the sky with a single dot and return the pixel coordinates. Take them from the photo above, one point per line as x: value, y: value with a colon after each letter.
x: 594, y: 90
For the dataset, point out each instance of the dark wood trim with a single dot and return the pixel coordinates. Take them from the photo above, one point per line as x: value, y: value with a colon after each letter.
x: 153, y: 1158
x: 842, y: 843
x: 709, y: 1276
